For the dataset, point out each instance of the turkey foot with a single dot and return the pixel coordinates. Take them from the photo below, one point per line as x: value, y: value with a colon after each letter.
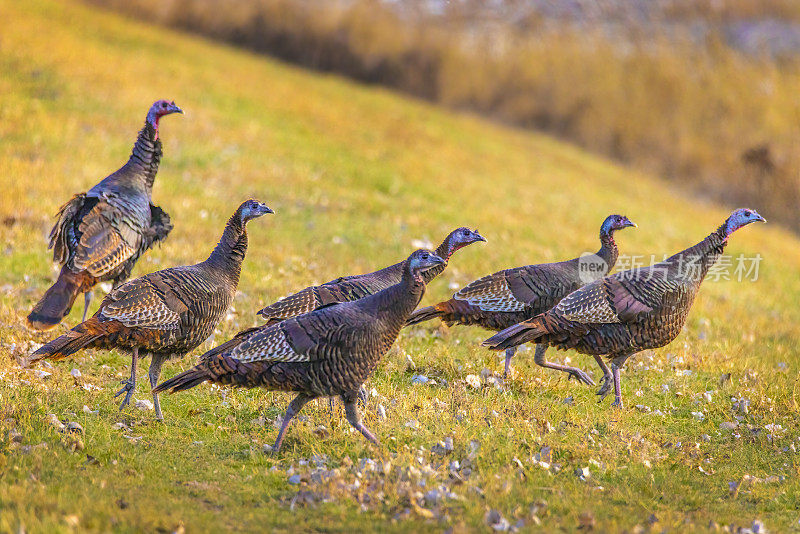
x: 128, y: 388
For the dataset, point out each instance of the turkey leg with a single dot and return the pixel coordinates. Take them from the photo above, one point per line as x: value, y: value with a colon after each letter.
x: 154, y: 373
x: 353, y: 417
x: 87, y: 299
x: 538, y: 357
x: 130, y: 384
x: 294, y: 408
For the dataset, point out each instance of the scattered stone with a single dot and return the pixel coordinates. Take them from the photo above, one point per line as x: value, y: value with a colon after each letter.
x: 438, y: 448
x: 643, y: 408
x: 448, y: 444
x: 419, y: 380
x: 705, y: 437
x: 413, y: 424
x: 727, y: 425
x: 259, y: 421
x: 89, y: 411
x: 473, y: 381
x: 144, y: 404
x: 741, y: 405
x: 42, y: 375
x: 497, y: 522
x: 74, y: 428
x: 410, y: 362
x: 569, y: 401
x: 53, y: 420
x: 583, y: 473
x: 700, y: 416
x: 15, y: 435
x: 707, y: 396
x: 321, y: 431
x: 433, y: 497
x: 758, y: 527
x: 294, y: 479
x: 381, y: 412
x: 120, y: 426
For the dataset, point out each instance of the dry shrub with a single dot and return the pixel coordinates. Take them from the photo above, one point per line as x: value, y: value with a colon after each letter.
x: 700, y: 114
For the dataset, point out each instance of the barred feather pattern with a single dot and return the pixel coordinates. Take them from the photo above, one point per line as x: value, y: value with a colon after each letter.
x: 624, y: 313
x: 104, y: 231
x: 505, y: 298
x: 168, y: 312
x: 326, y: 352
x: 349, y: 288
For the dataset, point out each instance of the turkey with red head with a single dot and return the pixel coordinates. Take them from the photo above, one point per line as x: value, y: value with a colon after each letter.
x: 100, y: 234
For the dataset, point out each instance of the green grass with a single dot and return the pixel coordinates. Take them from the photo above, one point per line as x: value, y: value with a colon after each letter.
x: 355, y: 175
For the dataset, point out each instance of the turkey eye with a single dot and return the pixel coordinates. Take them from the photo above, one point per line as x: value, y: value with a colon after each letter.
x: 465, y: 232
x: 747, y: 213
x: 163, y: 104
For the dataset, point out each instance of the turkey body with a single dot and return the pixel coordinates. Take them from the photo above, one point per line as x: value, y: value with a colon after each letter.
x: 349, y: 288
x: 167, y: 313
x: 99, y: 235
x: 622, y: 314
x: 327, y: 352
x: 505, y: 298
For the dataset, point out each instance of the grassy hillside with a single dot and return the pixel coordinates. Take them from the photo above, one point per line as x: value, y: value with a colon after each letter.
x: 356, y: 176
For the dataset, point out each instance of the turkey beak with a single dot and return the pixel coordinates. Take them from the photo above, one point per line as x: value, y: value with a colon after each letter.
x: 479, y: 237
x: 436, y: 260
x: 761, y: 219
x: 175, y: 109
x: 266, y: 209
x: 630, y: 224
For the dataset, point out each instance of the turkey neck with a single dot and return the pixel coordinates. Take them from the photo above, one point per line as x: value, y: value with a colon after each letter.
x: 227, y: 256
x: 146, y: 153
x: 608, y: 248
x: 703, y: 255
x: 444, y: 251
x: 394, y: 304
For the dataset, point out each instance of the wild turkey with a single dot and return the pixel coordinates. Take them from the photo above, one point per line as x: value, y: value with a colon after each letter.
x: 349, y: 288
x: 620, y: 315
x: 100, y: 234
x: 507, y: 297
x: 166, y: 313
x: 329, y: 351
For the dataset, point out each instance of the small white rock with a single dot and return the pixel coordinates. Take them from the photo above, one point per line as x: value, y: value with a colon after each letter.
x: 473, y: 381
x: 144, y: 404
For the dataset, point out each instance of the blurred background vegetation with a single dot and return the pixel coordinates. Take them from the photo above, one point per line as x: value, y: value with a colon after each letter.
x: 701, y: 93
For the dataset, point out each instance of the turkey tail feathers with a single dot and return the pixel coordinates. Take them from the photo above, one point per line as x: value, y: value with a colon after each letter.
x: 57, y: 301
x: 185, y: 380
x: 423, y: 314
x: 518, y: 334
x: 76, y: 339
